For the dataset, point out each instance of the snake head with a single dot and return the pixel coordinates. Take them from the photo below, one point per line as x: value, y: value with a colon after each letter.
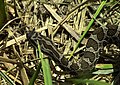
x: 31, y: 37
x: 30, y: 34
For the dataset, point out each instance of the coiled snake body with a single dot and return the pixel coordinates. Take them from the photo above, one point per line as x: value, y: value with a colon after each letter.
x: 100, y: 38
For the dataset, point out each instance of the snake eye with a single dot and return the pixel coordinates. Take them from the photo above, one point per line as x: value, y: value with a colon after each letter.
x: 30, y: 34
x: 31, y: 37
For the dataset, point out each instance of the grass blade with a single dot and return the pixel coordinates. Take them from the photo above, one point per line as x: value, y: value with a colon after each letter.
x: 45, y: 67
x: 6, y: 78
x: 89, y: 25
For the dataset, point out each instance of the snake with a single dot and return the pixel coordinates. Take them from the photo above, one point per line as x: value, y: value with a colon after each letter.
x: 101, y: 37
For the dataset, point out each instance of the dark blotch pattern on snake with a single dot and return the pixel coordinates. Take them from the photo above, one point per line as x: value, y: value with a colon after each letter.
x: 96, y: 43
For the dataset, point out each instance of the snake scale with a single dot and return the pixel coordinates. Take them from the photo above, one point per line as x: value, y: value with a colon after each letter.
x: 100, y: 38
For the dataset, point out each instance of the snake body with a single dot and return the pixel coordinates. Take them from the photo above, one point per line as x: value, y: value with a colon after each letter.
x: 100, y: 38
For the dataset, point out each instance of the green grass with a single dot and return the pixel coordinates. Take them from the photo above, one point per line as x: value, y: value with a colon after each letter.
x: 88, y: 82
x: 89, y: 25
x: 8, y: 80
x: 3, y: 16
x: 45, y: 68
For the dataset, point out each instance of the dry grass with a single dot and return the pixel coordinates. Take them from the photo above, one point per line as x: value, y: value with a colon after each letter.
x: 63, y: 22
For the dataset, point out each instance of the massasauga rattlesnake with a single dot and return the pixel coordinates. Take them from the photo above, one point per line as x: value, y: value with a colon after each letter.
x: 99, y: 39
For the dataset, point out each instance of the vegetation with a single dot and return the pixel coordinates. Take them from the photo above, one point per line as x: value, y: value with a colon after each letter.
x: 68, y: 23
